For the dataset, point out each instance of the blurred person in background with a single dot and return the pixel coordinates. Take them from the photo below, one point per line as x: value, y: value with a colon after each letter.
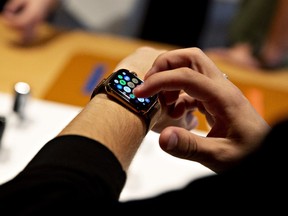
x: 179, y: 23
x: 258, y: 35
x: 133, y: 18
x: 25, y: 15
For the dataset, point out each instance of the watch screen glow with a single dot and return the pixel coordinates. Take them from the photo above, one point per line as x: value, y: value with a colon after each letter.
x: 124, y: 83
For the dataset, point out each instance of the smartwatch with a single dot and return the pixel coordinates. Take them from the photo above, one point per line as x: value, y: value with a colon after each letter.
x: 119, y: 85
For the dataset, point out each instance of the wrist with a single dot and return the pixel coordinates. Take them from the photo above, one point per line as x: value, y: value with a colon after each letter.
x: 119, y: 129
x: 108, y: 122
x: 114, y: 121
x: 121, y: 118
x: 119, y: 87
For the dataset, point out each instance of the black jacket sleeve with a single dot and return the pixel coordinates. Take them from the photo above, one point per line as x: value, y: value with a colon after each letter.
x: 257, y: 186
x: 77, y: 175
x: 69, y: 174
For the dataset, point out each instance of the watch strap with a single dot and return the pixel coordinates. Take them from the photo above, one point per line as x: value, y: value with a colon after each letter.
x: 150, y: 117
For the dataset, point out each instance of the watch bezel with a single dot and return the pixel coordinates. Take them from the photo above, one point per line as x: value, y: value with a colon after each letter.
x: 122, y: 97
x: 149, y: 115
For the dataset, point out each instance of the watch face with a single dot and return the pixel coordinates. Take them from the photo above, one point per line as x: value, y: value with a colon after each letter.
x: 122, y: 83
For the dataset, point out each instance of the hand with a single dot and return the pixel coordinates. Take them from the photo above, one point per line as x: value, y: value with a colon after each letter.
x: 180, y: 113
x: 25, y: 15
x: 140, y: 62
x: 236, y: 127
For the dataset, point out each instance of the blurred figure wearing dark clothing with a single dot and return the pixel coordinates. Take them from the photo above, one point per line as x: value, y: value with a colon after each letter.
x: 2, y: 3
x: 176, y: 23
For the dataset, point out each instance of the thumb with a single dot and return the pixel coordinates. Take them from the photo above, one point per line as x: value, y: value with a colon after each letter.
x: 179, y: 142
x: 214, y: 153
x: 184, y: 144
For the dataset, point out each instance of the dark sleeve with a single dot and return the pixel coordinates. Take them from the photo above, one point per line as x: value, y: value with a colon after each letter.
x: 179, y: 24
x: 257, y: 185
x: 2, y: 4
x: 69, y: 174
x: 76, y: 175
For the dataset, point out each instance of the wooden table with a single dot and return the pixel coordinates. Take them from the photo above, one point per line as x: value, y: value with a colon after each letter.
x: 41, y: 63
x: 61, y: 66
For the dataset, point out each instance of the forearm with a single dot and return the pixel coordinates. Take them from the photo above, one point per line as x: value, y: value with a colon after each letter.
x: 113, y: 125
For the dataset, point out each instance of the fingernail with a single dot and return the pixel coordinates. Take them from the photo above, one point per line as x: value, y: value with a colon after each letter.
x: 137, y: 88
x: 172, y: 142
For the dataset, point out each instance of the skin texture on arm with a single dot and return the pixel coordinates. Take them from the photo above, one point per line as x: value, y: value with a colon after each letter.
x: 116, y: 127
x: 235, y: 125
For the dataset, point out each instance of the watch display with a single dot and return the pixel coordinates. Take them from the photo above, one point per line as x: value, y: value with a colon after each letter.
x: 119, y: 86
x: 122, y: 83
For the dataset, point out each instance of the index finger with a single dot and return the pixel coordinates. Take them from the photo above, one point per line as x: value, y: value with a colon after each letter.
x: 192, y: 82
x: 193, y: 58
